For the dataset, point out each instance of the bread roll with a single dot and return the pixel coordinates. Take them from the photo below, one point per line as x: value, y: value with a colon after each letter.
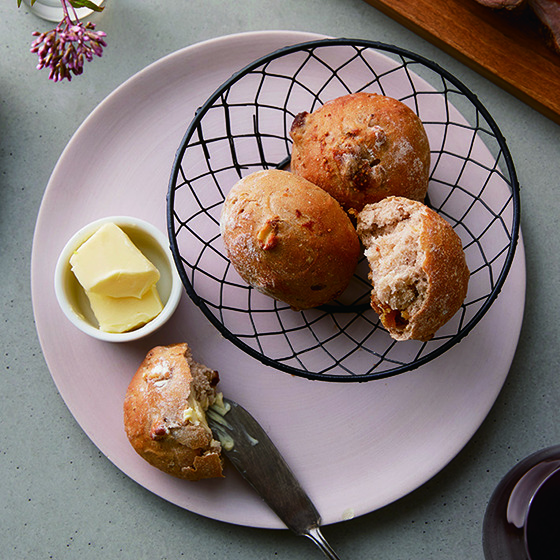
x: 164, y: 414
x: 417, y: 265
x: 289, y: 239
x: 362, y: 148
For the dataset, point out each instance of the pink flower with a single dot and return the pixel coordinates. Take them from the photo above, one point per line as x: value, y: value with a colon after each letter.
x: 64, y: 49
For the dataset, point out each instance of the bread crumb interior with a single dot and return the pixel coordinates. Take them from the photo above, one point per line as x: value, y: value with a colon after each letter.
x: 395, y: 258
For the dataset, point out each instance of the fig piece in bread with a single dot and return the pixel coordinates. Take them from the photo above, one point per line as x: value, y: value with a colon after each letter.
x: 289, y: 239
x: 361, y: 148
x: 164, y: 413
x: 418, y: 269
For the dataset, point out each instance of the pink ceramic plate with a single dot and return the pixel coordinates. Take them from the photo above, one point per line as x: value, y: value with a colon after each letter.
x: 406, y: 428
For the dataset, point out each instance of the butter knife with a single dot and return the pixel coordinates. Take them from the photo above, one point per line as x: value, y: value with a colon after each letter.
x: 252, y: 453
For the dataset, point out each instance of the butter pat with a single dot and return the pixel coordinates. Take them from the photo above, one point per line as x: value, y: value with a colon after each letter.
x: 118, y: 315
x: 109, y: 264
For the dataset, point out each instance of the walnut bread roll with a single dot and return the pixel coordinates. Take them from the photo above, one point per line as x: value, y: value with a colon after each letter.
x: 289, y: 239
x: 362, y: 148
x: 417, y: 266
x: 164, y: 414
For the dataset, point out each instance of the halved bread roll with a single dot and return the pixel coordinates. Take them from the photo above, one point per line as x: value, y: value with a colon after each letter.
x: 418, y: 269
x: 164, y: 414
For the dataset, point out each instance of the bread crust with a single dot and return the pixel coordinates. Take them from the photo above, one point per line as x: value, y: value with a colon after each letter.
x: 361, y: 148
x: 289, y: 239
x: 417, y: 264
x: 161, y: 414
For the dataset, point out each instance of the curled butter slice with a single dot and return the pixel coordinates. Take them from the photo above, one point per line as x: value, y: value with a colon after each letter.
x: 109, y: 264
x: 125, y: 314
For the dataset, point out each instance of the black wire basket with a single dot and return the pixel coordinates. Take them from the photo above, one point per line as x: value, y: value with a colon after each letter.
x: 244, y: 127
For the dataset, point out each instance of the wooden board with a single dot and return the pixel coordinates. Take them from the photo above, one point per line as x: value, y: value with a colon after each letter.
x: 507, y: 48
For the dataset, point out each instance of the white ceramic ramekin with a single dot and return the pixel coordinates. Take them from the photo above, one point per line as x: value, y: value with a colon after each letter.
x: 155, y: 246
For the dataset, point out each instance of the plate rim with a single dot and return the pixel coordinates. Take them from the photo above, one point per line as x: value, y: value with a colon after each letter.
x: 96, y: 439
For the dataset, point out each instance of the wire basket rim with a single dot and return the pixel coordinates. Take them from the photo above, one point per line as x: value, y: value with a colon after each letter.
x: 365, y: 45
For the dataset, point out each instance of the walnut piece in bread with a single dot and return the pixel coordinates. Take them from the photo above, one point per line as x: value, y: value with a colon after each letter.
x: 164, y: 413
x: 289, y: 239
x: 361, y: 148
x: 418, y: 269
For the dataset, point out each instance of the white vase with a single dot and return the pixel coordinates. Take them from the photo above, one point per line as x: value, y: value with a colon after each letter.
x: 51, y: 10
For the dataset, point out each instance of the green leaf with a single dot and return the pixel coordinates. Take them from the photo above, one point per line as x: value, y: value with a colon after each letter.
x: 86, y: 4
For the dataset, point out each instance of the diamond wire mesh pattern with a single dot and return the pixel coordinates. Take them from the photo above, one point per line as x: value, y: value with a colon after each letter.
x: 244, y: 127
